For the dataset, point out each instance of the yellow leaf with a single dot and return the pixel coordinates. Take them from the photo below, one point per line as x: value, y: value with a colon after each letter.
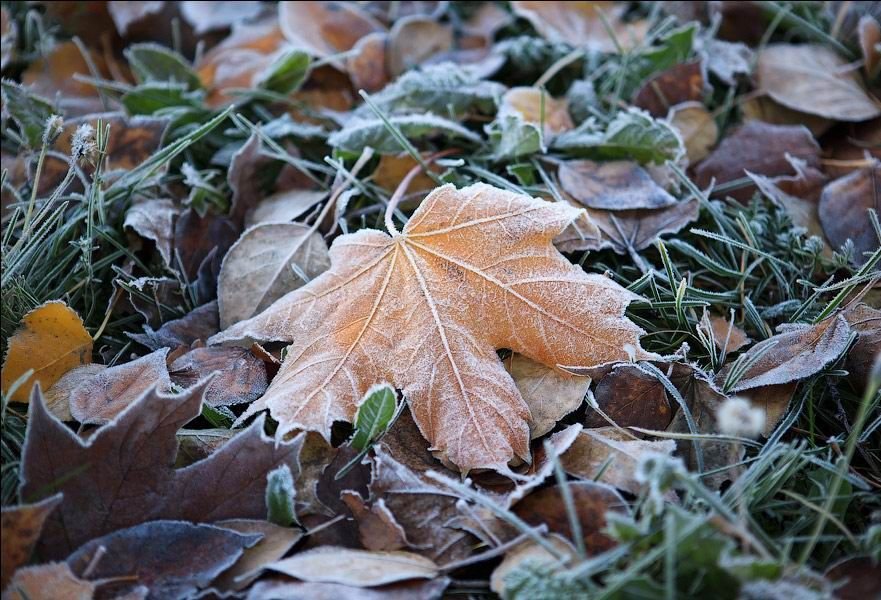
x: 51, y: 341
x: 473, y: 271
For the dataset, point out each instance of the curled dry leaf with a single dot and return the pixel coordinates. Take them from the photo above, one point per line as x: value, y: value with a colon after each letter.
x: 172, y: 559
x: 866, y: 322
x: 357, y: 568
x: 527, y: 102
x: 759, y: 148
x: 812, y: 78
x: 48, y: 582
x: 678, y: 84
x: 631, y: 398
x: 764, y: 108
x: 240, y: 376
x: 154, y: 219
x: 615, y: 185
x: 268, y: 261
x: 199, y: 239
x: 199, y: 324
x: 613, y: 453
x: 797, y: 353
x: 377, y: 526
x: 844, y: 206
x: 275, y: 542
x: 99, y: 397
x: 549, y: 394
x: 579, y: 24
x: 697, y: 127
x: 325, y: 28
x: 57, y: 397
x: 129, y: 463
x: 453, y: 257
x: 414, y: 40
x: 22, y: 526
x: 51, y: 341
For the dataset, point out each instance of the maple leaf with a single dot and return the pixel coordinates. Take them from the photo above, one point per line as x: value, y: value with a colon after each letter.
x: 474, y: 270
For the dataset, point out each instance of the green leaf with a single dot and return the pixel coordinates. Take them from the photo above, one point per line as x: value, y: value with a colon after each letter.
x: 632, y: 134
x: 28, y: 110
x: 151, y: 97
x: 286, y: 73
x: 360, y: 133
x: 280, y: 496
x: 220, y: 416
x: 673, y: 49
x: 444, y: 89
x: 152, y: 62
x: 374, y: 415
x: 511, y: 137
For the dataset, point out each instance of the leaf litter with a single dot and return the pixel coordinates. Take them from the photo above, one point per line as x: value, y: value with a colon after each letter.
x: 542, y: 299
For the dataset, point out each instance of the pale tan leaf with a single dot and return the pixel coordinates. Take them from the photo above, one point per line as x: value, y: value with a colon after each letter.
x: 22, y: 526
x: 697, y: 127
x: 537, y: 107
x: 529, y: 551
x: 415, y: 39
x: 580, y: 24
x: 154, y: 219
x: 549, y: 394
x: 615, y: 185
x: 773, y: 400
x: 48, y: 582
x: 58, y: 396
x: 359, y: 568
x: 814, y: 79
x: 474, y: 270
x: 866, y: 322
x: 728, y: 337
x: 274, y: 544
x: 844, y: 209
x: 325, y: 28
x: 258, y: 269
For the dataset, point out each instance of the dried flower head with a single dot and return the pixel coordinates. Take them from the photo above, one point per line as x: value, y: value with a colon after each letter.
x: 54, y: 126
x: 737, y: 417
x: 659, y: 472
x: 83, y: 145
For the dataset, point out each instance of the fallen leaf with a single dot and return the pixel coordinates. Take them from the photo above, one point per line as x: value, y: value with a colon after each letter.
x: 626, y: 231
x: 812, y: 78
x: 678, y: 84
x: 773, y: 400
x: 728, y: 337
x: 172, y: 559
x: 615, y: 185
x: 275, y: 542
x: 797, y: 353
x: 631, y: 398
x: 366, y: 65
x: 537, y: 107
x: 260, y: 268
x: 197, y: 237
x: 726, y: 60
x: 415, y: 39
x: 211, y: 16
x: 347, y: 312
x: 592, y: 501
x: 51, y: 341
x: 616, y: 455
x: 325, y: 28
x: 22, y: 526
x: 697, y: 127
x: 392, y: 168
x: 273, y: 589
x: 844, y: 206
x: 377, y: 526
x: 359, y: 568
x: 196, y: 444
x: 48, y: 582
x: 99, y: 396
x: 240, y: 376
x: 284, y: 207
x: 199, y: 324
x: 870, y: 40
x: 53, y: 76
x: 530, y: 553
x: 154, y: 219
x: 852, y: 147
x: 549, y: 394
x: 866, y: 322
x: 128, y: 461
x: 802, y: 213
x: 764, y: 108
x: 760, y: 148
x: 579, y: 24
x: 854, y: 579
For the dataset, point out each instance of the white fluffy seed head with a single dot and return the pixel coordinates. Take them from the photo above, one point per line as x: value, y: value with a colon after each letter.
x: 737, y: 417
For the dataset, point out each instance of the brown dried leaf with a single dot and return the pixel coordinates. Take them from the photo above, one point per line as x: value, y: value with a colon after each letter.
x: 697, y: 127
x: 52, y: 76
x: 259, y: 268
x: 760, y: 148
x: 275, y: 543
x: 579, y: 24
x: 454, y: 257
x: 377, y: 526
x: 325, y: 28
x: 844, y: 206
x: 392, y: 168
x: 273, y: 589
x: 171, y: 559
x: 678, y: 84
x: 527, y: 102
x: 154, y: 219
x: 764, y: 108
x: 549, y: 394
x: 414, y: 40
x: 240, y: 376
x: 197, y: 238
x: 531, y: 552
x: 57, y: 397
x: 728, y: 337
x: 798, y: 352
x: 128, y: 462
x: 51, y: 341
x: 284, y: 207
x: 48, y: 582
x: 631, y: 398
x: 774, y: 400
x: 367, y: 63
x: 357, y: 568
x: 814, y: 79
x: 126, y: 14
x: 615, y: 185
x: 21, y: 527
x: 866, y: 322
x: 615, y: 454
x: 99, y: 397
x: 855, y: 578
x: 199, y: 324
x: 869, y: 32
x: 196, y: 444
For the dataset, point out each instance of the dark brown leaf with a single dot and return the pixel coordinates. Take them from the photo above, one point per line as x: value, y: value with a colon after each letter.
x: 616, y: 185
x: 679, y: 83
x: 21, y: 527
x: 154, y: 219
x: 172, y: 559
x: 199, y: 324
x: 195, y: 237
x: 866, y: 322
x: 857, y: 577
x: 275, y: 543
x: 844, y: 207
x: 631, y: 398
x: 123, y: 475
x: 241, y: 376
